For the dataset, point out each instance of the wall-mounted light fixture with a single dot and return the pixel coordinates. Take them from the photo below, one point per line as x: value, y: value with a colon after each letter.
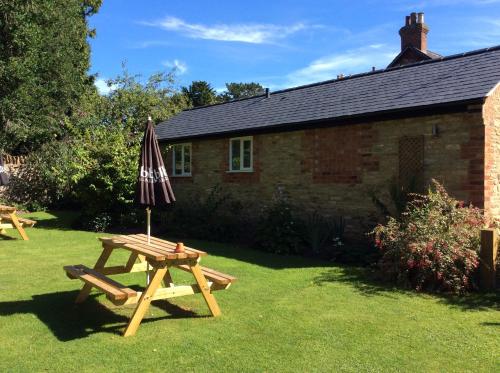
x: 435, y: 130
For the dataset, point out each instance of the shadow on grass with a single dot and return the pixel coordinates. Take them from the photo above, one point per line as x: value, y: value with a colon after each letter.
x: 248, y: 255
x: 366, y: 283
x: 68, y: 321
x: 60, y: 220
x: 6, y: 237
x: 64, y: 220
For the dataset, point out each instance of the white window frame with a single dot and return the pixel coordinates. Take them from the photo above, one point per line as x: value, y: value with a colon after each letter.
x: 241, y: 139
x: 183, y: 145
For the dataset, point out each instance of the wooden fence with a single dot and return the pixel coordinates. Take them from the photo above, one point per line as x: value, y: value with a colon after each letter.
x: 488, y: 256
x: 13, y: 160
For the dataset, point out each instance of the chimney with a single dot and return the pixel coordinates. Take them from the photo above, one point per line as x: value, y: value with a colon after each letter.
x: 414, y: 32
x: 268, y: 93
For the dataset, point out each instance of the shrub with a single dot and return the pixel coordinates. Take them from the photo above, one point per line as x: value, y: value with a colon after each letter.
x: 323, y: 236
x: 399, y: 197
x: 107, y: 186
x: 277, y: 228
x: 434, y: 245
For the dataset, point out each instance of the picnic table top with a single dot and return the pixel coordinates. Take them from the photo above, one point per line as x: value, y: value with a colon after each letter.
x: 157, y: 249
x: 7, y: 209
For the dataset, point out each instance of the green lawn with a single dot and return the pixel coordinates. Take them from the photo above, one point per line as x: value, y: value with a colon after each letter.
x: 284, y: 314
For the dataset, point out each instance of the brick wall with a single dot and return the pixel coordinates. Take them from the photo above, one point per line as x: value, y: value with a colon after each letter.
x: 333, y: 169
x: 491, y: 185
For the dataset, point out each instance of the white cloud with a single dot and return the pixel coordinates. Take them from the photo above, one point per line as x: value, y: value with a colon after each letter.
x: 179, y: 66
x: 412, y: 5
x: 245, y: 33
x: 351, y: 62
x: 103, y: 87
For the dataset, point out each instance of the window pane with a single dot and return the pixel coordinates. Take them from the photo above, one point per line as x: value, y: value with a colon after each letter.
x: 177, y: 160
x: 247, y: 154
x: 235, y: 155
x: 187, y: 159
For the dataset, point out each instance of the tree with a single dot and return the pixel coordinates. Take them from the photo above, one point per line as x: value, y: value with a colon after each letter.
x: 200, y: 93
x: 131, y: 101
x: 44, y: 62
x: 235, y: 91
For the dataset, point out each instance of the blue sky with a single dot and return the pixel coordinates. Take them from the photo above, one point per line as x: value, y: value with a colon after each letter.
x: 277, y: 43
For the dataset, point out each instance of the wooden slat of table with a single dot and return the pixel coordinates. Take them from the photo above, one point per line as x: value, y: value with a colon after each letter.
x: 171, y: 244
x: 115, y: 242
x: 7, y: 209
x: 166, y: 246
x: 160, y: 248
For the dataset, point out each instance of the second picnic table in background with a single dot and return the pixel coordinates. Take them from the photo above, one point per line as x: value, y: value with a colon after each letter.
x: 10, y: 220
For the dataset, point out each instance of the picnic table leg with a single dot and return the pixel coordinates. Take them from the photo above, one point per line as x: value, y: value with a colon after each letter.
x: 145, y: 301
x: 101, y: 262
x: 19, y: 227
x: 167, y: 280
x: 205, y: 290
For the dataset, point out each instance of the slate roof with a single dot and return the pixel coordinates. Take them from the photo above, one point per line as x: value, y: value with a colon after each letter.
x: 458, y: 78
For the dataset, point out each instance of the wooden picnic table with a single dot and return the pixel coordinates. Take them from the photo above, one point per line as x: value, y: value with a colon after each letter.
x: 158, y: 254
x: 9, y: 219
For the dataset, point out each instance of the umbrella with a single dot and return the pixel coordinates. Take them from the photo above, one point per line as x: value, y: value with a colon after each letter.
x: 4, y: 177
x: 153, y: 187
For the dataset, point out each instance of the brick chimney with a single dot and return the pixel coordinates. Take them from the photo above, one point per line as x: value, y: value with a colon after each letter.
x: 414, y: 32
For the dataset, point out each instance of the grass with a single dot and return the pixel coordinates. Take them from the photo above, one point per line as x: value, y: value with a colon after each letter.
x: 284, y: 314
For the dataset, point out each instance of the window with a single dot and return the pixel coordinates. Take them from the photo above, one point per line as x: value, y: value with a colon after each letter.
x: 240, y: 154
x: 181, y: 160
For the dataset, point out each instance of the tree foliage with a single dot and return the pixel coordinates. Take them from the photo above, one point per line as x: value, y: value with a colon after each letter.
x: 235, y: 91
x: 44, y: 60
x: 131, y: 101
x: 200, y: 93
x: 95, y: 166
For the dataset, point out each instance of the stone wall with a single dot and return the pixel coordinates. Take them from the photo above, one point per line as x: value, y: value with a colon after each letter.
x: 334, y: 169
x: 491, y: 114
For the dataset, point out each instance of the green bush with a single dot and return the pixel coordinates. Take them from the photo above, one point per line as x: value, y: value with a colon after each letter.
x: 107, y: 186
x: 278, y: 229
x: 434, y: 245
x: 323, y: 236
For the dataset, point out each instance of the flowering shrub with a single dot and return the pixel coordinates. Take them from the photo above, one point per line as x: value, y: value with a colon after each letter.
x: 434, y: 245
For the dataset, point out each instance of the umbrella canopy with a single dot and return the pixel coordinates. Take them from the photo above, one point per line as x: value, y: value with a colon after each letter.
x: 4, y: 177
x: 153, y: 186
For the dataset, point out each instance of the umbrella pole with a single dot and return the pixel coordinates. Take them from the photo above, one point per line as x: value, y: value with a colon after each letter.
x: 148, y: 218
x: 148, y: 212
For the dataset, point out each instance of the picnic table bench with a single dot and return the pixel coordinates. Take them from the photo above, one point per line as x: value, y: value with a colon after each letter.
x: 9, y: 220
x: 158, y: 254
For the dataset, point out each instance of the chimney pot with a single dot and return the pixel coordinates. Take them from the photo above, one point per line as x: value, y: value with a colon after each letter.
x: 268, y: 93
x: 413, y: 17
x: 407, y: 23
x: 420, y: 18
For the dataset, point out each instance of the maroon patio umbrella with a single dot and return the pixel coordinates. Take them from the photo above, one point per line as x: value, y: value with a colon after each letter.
x: 4, y: 177
x: 153, y: 187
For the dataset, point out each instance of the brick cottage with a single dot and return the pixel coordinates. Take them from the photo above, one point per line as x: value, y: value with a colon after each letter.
x: 330, y: 145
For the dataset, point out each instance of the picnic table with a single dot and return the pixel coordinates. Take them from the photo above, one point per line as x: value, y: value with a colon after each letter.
x: 158, y: 254
x: 9, y: 219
